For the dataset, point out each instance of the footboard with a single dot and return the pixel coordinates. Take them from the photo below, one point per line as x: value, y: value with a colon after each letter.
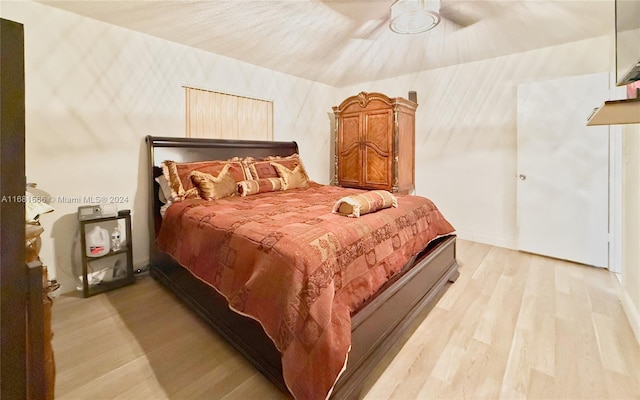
x: 377, y: 328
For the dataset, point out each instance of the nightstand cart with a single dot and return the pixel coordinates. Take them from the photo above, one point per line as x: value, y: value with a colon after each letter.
x: 113, y: 277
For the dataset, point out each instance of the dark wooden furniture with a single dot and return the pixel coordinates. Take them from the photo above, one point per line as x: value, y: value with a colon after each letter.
x: 42, y: 368
x: 376, y: 328
x: 25, y: 366
x: 125, y: 252
x: 21, y: 335
x: 375, y: 140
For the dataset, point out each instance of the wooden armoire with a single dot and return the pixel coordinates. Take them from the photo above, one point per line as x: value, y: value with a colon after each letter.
x: 375, y: 143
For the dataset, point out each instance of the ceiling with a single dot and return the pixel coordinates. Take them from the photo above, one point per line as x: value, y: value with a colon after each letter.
x: 342, y: 43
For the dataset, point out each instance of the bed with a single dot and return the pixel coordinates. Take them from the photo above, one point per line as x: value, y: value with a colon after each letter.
x: 374, y: 324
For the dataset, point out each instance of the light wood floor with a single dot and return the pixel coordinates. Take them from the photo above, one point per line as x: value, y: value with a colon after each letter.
x: 514, y: 325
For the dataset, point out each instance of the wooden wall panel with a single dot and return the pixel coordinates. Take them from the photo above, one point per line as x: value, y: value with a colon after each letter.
x: 13, y: 276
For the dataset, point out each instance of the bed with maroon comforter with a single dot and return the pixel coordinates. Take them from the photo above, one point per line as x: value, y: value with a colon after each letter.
x: 304, y: 273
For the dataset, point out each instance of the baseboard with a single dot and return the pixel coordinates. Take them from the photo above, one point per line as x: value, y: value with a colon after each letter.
x: 490, y: 240
x: 632, y: 313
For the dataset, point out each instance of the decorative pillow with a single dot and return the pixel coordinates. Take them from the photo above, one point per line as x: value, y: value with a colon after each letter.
x: 292, y: 179
x: 214, y: 187
x: 179, y: 174
x: 189, y: 194
x: 255, y: 186
x: 360, y: 204
x: 264, y: 169
x: 171, y: 175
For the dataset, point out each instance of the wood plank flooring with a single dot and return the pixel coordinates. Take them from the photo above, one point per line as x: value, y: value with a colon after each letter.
x: 513, y: 326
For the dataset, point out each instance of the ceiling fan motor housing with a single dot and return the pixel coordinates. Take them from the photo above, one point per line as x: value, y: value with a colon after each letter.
x: 414, y: 16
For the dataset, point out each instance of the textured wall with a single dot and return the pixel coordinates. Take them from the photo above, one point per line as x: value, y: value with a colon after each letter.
x: 93, y: 91
x: 466, y: 131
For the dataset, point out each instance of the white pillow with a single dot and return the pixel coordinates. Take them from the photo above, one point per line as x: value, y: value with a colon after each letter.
x: 164, y: 194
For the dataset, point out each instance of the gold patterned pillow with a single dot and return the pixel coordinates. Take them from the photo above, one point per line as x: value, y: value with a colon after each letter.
x: 292, y: 179
x: 214, y: 187
x: 189, y: 194
x: 364, y: 203
x: 255, y: 186
x: 179, y: 174
x: 263, y: 169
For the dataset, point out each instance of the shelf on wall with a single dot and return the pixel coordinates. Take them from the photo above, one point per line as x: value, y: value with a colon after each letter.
x: 614, y: 112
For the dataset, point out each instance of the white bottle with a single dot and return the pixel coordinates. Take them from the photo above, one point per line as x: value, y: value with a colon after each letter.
x: 115, y: 239
x: 97, y: 242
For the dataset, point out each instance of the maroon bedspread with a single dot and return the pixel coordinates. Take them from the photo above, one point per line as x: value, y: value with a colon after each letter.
x: 285, y: 260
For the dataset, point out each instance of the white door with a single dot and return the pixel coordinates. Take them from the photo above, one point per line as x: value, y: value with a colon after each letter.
x: 562, y: 170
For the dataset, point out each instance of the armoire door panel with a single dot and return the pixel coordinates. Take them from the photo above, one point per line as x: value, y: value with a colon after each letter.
x: 350, y: 147
x: 350, y: 132
x: 377, y: 168
x: 378, y: 126
x: 350, y: 165
x: 373, y: 146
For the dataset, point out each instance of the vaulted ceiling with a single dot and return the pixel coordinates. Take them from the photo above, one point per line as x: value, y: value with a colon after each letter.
x: 341, y: 42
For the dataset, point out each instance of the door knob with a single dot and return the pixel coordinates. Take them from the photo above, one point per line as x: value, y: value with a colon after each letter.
x: 522, y: 177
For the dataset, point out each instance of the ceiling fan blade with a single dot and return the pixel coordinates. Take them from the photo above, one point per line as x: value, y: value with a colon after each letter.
x: 360, y: 10
x: 457, y: 14
x: 468, y: 12
x: 370, y: 30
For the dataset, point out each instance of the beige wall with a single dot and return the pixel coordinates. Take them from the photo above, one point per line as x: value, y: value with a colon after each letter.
x: 630, y: 294
x: 466, y: 147
x: 466, y: 131
x: 93, y: 91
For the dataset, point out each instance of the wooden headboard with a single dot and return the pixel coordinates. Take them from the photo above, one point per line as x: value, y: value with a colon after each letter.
x: 182, y: 149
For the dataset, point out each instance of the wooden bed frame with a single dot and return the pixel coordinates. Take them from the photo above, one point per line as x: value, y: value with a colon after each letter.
x: 376, y: 327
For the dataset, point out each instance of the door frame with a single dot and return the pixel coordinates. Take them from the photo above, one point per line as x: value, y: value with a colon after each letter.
x: 616, y: 158
x: 615, y: 199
